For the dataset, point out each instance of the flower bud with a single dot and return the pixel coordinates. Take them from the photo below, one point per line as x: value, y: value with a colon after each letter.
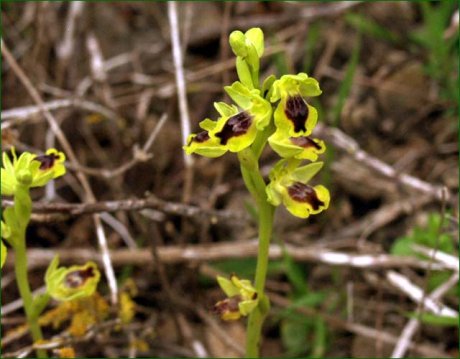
x: 238, y: 43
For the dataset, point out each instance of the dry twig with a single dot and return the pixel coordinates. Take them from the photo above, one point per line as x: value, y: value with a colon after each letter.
x: 225, y: 250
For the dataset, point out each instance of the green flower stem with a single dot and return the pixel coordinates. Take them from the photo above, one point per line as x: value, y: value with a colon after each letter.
x: 256, y: 186
x: 22, y: 211
x: 20, y: 267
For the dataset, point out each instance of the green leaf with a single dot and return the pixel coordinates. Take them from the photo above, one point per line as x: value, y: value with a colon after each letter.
x: 294, y: 273
x: 347, y: 83
x: 369, y: 27
x: 403, y: 247
x: 436, y: 320
x: 294, y: 336
x: 319, y: 341
x: 310, y: 42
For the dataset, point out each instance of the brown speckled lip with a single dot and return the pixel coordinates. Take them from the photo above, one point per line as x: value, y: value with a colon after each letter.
x: 304, y: 142
x: 46, y: 161
x: 297, y: 112
x: 76, y: 278
x: 304, y: 193
x: 236, y: 125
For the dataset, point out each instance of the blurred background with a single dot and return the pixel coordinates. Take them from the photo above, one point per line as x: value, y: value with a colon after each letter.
x: 342, y: 283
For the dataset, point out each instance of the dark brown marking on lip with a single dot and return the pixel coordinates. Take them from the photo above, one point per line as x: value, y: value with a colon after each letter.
x: 305, y: 142
x: 201, y: 137
x: 228, y: 305
x: 304, y: 193
x: 46, y: 161
x: 236, y: 125
x: 77, y: 278
x: 297, y: 112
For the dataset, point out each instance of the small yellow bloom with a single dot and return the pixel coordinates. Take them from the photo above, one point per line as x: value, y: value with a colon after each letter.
x: 242, y: 298
x: 30, y: 170
x: 71, y: 283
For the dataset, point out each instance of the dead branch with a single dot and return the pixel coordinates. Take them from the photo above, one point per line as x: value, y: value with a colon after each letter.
x: 61, y: 211
x: 39, y: 258
x: 346, y: 143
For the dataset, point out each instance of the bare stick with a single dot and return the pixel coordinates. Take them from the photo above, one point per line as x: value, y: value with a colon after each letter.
x: 416, y: 294
x: 65, y: 48
x: 180, y: 78
x: 19, y: 115
x: 136, y: 204
x: 350, y: 146
x: 225, y: 250
x: 109, y: 272
x: 412, y: 325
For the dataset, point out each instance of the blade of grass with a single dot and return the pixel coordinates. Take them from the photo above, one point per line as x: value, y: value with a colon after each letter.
x: 371, y: 28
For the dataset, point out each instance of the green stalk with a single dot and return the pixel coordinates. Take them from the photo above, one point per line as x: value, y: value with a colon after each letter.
x: 256, y: 186
x: 22, y: 210
x: 20, y: 267
x: 257, y: 317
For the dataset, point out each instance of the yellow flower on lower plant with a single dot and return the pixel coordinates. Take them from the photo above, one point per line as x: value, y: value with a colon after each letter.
x: 242, y: 298
x: 71, y: 283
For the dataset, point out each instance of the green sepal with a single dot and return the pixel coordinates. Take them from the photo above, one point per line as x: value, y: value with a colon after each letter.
x: 3, y: 252
x: 207, y: 124
x: 251, y: 101
x: 227, y: 286
x: 305, y: 173
x: 244, y: 72
x: 241, y: 94
x: 224, y: 110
